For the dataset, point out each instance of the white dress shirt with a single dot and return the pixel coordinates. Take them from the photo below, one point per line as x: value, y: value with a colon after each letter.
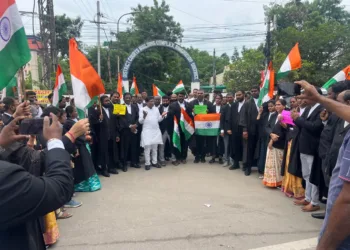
x: 218, y: 108
x: 302, y: 111
x: 182, y: 105
x: 256, y: 103
x: 345, y: 124
x: 312, y: 109
x: 54, y: 143
x: 128, y: 107
x: 240, y: 105
x: 106, y: 110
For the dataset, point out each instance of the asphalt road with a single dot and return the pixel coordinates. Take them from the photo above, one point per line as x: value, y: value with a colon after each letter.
x: 192, y: 206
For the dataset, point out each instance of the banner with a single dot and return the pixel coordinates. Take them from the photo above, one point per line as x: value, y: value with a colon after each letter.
x: 41, y: 96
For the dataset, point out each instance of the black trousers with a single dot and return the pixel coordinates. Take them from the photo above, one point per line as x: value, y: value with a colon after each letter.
x: 130, y: 146
x: 249, y: 151
x: 202, y: 144
x: 184, y: 148
x: 218, y: 147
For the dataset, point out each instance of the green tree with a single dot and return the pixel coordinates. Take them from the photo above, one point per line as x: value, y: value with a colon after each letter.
x: 245, y: 69
x: 66, y: 28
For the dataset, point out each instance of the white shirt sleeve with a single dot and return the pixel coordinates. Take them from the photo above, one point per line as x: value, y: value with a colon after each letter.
x: 55, y: 143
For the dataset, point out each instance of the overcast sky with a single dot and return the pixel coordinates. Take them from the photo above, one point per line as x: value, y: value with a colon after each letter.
x: 233, y: 23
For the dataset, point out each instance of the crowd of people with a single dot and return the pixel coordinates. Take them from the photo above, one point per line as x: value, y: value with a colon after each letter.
x: 300, y: 157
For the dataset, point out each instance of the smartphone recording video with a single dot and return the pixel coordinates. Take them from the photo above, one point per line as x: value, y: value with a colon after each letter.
x: 32, y: 126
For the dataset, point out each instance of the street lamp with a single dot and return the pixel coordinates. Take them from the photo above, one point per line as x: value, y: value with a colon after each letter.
x: 130, y: 13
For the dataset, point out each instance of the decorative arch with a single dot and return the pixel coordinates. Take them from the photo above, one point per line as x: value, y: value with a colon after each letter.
x: 166, y: 44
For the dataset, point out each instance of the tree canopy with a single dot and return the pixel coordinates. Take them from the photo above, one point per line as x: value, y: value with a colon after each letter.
x: 322, y: 29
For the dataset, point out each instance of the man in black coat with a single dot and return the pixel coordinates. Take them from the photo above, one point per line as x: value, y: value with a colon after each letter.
x: 201, y: 141
x: 235, y: 130
x: 95, y: 118
x: 225, y: 126
x: 108, y: 135
x: 175, y: 110
x: 128, y: 127
x: 166, y: 127
x: 25, y: 198
x: 310, y: 126
x: 10, y: 105
x: 249, y: 123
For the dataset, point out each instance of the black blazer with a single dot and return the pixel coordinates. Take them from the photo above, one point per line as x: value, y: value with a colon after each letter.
x: 310, y: 130
x: 248, y: 121
x: 168, y: 122
x: 126, y: 120
x: 25, y: 198
x: 225, y: 118
x: 175, y: 110
x: 6, y: 119
x: 327, y: 136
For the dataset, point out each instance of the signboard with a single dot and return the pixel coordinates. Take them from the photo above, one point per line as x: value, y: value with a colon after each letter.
x: 41, y: 96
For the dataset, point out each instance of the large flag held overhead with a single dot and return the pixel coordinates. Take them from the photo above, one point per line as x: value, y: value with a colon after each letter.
x: 14, y: 49
x: 60, y: 87
x: 120, y: 87
x: 186, y: 124
x: 86, y: 83
x: 341, y: 76
x: 176, y: 135
x: 207, y: 124
x: 179, y: 87
x: 134, y: 90
x: 10, y: 89
x: 268, y: 86
x: 157, y: 91
x: 292, y: 62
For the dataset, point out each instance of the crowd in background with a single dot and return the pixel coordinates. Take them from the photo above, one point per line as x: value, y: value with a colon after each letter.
x: 298, y: 157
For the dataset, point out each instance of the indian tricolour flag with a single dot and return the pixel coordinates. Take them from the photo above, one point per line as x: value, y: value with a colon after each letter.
x: 179, y: 87
x: 86, y: 83
x: 60, y: 87
x: 207, y: 124
x: 341, y: 76
x: 120, y: 87
x: 292, y: 62
x: 157, y: 91
x: 14, y: 50
x: 268, y: 86
x: 176, y: 135
x: 186, y: 124
x: 134, y: 90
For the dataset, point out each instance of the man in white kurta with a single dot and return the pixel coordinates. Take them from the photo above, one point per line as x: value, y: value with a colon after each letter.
x: 151, y: 135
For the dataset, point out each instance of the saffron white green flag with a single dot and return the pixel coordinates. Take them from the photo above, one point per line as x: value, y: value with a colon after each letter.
x: 341, y: 76
x: 14, y: 49
x: 207, y: 124
x: 60, y: 87
x: 157, y: 91
x: 292, y: 62
x: 186, y: 124
x: 176, y: 135
x: 179, y: 87
x: 134, y: 90
x: 268, y: 86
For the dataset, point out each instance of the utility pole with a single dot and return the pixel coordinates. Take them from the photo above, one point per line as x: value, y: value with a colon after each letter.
x: 98, y: 39
x: 48, y: 39
x: 268, y: 42
x: 214, y: 72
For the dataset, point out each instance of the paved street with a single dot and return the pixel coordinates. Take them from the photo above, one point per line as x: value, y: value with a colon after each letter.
x: 165, y: 209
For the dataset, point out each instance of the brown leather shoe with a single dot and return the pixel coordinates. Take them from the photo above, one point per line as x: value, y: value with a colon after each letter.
x: 301, y: 203
x: 310, y: 208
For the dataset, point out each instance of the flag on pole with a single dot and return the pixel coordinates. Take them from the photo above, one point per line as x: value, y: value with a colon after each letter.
x: 14, y: 49
x: 120, y: 87
x: 10, y: 89
x: 60, y: 87
x: 186, y: 124
x: 179, y: 87
x: 86, y: 83
x: 157, y: 91
x: 341, y: 76
x: 176, y: 135
x: 292, y: 62
x: 268, y: 86
x: 134, y: 90
x: 207, y: 124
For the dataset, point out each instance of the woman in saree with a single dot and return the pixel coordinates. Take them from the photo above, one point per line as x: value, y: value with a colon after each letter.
x: 291, y: 166
x: 274, y: 156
